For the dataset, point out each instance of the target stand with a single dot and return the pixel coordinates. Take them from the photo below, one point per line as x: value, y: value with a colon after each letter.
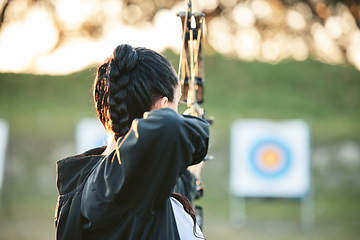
x: 269, y: 159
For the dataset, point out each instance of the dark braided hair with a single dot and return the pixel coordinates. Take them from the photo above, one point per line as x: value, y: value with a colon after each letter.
x: 128, y: 83
x: 100, y: 94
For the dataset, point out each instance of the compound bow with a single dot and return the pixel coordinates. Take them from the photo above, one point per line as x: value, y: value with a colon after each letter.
x: 191, y: 75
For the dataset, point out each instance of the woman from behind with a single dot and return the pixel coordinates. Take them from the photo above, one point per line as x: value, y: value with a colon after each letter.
x: 128, y: 194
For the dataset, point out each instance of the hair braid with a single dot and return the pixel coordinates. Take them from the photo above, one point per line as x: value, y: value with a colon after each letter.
x: 128, y: 84
x: 123, y: 62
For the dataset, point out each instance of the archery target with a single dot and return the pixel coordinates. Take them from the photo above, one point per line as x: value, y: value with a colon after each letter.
x: 4, y: 134
x: 90, y: 133
x: 270, y: 158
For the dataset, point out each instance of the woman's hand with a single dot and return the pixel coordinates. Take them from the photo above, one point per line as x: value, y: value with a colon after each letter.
x: 196, y: 169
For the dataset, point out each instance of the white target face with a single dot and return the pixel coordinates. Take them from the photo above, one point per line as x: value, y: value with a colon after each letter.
x: 90, y: 133
x: 270, y: 158
x: 4, y: 134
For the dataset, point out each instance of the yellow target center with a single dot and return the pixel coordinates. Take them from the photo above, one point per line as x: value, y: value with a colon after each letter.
x: 270, y: 158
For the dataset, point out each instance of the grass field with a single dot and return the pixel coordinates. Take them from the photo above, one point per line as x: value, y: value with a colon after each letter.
x: 42, y: 112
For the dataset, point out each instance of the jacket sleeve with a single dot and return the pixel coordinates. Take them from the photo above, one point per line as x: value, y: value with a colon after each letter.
x: 150, y: 158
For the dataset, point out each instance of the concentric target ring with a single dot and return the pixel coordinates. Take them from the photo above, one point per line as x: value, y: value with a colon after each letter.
x: 270, y: 158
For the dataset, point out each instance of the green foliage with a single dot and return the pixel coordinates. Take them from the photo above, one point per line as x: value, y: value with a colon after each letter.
x: 45, y: 104
x: 327, y: 96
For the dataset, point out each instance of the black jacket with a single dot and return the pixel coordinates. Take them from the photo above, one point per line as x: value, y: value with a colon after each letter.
x: 126, y: 196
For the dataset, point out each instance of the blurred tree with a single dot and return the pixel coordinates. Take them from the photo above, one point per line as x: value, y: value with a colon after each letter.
x: 265, y: 30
